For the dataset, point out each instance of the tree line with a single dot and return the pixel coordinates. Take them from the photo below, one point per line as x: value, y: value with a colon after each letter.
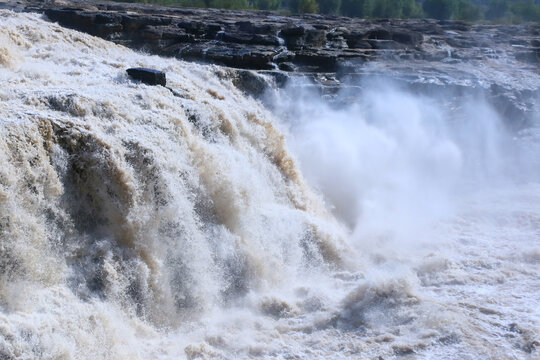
x: 497, y: 11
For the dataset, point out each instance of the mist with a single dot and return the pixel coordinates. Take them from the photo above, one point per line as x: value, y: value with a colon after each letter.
x: 394, y: 162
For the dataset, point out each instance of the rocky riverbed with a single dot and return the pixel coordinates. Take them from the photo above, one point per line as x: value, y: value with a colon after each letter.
x: 332, y: 52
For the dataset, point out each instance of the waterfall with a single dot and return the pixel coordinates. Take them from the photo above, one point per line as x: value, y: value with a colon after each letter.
x: 138, y: 222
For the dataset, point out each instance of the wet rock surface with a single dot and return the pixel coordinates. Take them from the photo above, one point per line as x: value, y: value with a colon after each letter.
x: 148, y: 76
x: 331, y: 52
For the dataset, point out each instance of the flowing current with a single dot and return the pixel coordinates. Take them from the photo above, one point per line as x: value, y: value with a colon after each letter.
x: 140, y: 223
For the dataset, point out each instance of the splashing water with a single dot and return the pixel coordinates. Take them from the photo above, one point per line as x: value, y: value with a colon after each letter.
x: 136, y: 223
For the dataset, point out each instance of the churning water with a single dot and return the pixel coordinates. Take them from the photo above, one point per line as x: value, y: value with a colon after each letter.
x: 140, y: 224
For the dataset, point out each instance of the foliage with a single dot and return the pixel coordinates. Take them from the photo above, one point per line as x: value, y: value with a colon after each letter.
x: 308, y: 6
x: 303, y: 6
x: 502, y: 11
x: 526, y: 10
x: 496, y: 9
x: 267, y: 4
x: 439, y: 9
x: 412, y: 9
x: 329, y: 6
x: 467, y: 11
x: 229, y: 4
x: 356, y: 8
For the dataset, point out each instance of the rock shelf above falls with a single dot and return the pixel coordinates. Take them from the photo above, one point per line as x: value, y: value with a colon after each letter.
x: 333, y: 52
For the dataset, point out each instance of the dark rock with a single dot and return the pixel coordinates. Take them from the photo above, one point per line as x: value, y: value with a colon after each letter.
x: 250, y: 82
x: 323, y: 61
x: 532, y: 56
x: 358, y: 43
x: 178, y: 34
x: 437, y: 55
x: 294, y: 37
x: 234, y: 55
x: 133, y: 23
x: 71, y: 18
x: 264, y: 28
x: 244, y: 26
x: 242, y: 38
x: 280, y: 79
x: 454, y: 25
x: 283, y: 56
x: 107, y: 18
x: 315, y: 38
x: 385, y: 44
x: 104, y: 30
x: 521, y: 42
x: 194, y: 27
x: 426, y: 28
x: 418, y: 51
x: 212, y: 30
x: 379, y: 34
x: 293, y: 31
x: 148, y: 76
x: 287, y: 66
x: 459, y: 42
x: 407, y: 37
x: 151, y: 32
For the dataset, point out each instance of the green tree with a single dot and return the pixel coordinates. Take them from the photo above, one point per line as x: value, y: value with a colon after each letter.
x: 357, y: 8
x: 267, y: 4
x: 229, y: 4
x: 526, y: 10
x: 439, y: 9
x: 412, y: 9
x: 329, y: 6
x: 308, y: 6
x: 386, y: 9
x: 467, y: 11
x: 497, y: 9
x: 303, y: 6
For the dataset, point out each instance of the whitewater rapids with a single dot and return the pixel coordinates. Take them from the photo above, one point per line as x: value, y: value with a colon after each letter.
x: 141, y: 223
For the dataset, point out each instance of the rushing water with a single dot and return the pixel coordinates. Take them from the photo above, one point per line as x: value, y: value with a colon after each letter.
x: 138, y: 223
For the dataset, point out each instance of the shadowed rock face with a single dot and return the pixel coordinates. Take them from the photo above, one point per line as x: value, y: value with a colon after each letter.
x: 148, y: 76
x: 334, y: 52
x: 312, y: 43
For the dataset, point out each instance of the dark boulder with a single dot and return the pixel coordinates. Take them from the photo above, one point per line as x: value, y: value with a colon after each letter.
x: 177, y: 34
x: 133, y: 23
x: 108, y: 18
x: 197, y: 28
x: 212, y: 30
x: 317, y: 61
x: 293, y: 31
x: 148, y: 76
x: 79, y: 20
x: 531, y: 56
x: 379, y: 34
x: 287, y: 66
x: 407, y: 37
x: 104, y: 30
x: 385, y: 44
x: 358, y: 43
x: 454, y: 25
x: 315, y: 38
x: 244, y: 25
x: 250, y: 82
x: 149, y: 32
x: 418, y: 50
x: 243, y: 38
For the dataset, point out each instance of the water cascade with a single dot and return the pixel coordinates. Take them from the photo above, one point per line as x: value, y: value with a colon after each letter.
x: 142, y: 223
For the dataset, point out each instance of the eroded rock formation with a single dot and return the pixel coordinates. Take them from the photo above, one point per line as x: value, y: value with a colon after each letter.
x: 334, y: 52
